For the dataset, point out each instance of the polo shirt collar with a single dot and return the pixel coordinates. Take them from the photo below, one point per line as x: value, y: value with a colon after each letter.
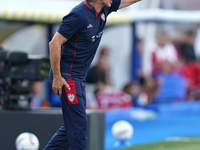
x: 89, y: 6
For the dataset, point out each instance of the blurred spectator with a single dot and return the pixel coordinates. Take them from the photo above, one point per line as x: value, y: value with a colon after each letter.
x: 37, y: 88
x: 97, y: 74
x: 149, y: 87
x: 163, y: 51
x: 176, y: 38
x: 101, y: 70
x: 187, y: 48
x: 108, y: 97
x: 192, y: 72
x: 37, y: 99
x: 143, y: 92
x: 172, y: 85
x: 191, y: 67
x: 133, y: 89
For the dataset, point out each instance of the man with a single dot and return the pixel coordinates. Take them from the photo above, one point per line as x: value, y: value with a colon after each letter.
x: 186, y: 48
x: 79, y: 35
x: 101, y: 70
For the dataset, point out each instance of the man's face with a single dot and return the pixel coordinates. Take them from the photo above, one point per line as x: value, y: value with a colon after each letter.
x: 106, y: 2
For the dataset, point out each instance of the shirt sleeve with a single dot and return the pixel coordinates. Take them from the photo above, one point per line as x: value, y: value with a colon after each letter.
x: 71, y: 24
x: 114, y: 6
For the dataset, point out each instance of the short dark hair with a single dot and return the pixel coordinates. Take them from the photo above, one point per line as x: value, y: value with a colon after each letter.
x: 190, y: 33
x: 1, y: 49
x: 104, y: 51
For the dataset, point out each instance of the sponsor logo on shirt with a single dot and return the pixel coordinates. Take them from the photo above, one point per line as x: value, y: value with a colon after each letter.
x: 97, y: 36
x: 90, y: 26
x: 93, y: 38
x: 103, y: 16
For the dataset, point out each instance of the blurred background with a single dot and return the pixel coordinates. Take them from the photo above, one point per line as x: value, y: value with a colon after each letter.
x: 146, y: 72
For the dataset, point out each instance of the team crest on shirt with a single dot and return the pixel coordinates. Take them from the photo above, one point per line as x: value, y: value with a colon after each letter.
x: 103, y: 16
x: 71, y: 96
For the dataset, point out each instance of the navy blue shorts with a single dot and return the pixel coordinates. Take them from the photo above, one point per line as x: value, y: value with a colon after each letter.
x: 73, y: 134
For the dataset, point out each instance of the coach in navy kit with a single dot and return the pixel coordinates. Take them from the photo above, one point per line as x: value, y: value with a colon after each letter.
x: 72, y: 50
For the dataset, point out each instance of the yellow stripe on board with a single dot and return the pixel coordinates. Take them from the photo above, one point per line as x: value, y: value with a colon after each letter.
x: 5, y: 14
x: 50, y: 17
x: 24, y: 15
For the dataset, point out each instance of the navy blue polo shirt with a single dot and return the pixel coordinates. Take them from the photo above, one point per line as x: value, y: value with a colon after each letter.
x: 83, y: 27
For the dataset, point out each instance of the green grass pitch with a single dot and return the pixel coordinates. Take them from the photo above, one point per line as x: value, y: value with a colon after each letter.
x: 173, y: 144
